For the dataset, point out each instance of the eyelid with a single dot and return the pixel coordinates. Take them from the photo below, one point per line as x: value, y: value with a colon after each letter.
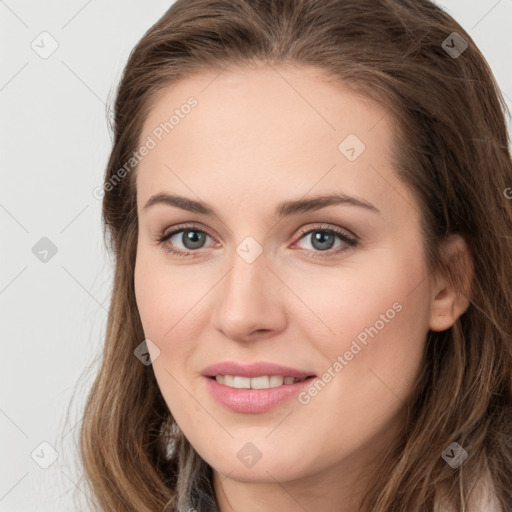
x: 327, y: 227
x: 166, y: 234
x: 351, y: 238
x: 302, y: 231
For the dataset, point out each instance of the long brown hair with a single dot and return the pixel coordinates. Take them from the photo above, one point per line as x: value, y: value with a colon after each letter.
x: 451, y: 148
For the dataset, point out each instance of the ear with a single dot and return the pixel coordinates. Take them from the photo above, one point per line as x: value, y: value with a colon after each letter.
x: 451, y: 293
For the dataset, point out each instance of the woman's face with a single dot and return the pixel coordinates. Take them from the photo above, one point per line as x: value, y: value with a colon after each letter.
x: 328, y: 301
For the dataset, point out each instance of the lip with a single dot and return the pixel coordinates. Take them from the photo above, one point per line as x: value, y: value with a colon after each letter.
x: 254, y: 400
x: 253, y: 370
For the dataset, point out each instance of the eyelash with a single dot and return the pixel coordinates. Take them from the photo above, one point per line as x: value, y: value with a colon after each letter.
x: 351, y: 242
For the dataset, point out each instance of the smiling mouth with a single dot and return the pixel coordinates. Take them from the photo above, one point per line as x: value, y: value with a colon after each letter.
x: 260, y: 382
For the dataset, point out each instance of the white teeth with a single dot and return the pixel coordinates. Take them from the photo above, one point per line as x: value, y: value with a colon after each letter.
x: 262, y: 382
x: 241, y: 382
x: 275, y: 381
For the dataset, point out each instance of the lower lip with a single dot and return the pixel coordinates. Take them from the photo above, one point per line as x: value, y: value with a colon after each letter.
x: 254, y: 400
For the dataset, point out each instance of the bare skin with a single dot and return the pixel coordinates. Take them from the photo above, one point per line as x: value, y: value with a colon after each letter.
x: 252, y: 142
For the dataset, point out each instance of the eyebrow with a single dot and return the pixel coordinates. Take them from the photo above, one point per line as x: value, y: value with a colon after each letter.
x: 286, y: 208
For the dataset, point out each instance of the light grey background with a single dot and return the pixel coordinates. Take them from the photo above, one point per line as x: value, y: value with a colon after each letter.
x: 54, y: 145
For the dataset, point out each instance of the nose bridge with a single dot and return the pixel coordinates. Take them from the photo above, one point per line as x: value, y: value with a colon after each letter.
x: 246, y: 278
x: 248, y: 266
x: 245, y: 302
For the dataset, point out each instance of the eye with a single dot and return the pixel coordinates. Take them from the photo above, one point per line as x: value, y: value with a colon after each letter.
x: 323, y: 239
x: 190, y: 237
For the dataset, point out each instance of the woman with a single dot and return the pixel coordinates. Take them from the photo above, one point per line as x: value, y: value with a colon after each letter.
x: 311, y: 308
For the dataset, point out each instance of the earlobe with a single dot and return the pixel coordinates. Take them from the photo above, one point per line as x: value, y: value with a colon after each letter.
x: 447, y: 308
x: 451, y: 294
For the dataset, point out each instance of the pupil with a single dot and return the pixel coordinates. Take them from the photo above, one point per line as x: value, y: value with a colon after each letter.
x: 192, y: 239
x: 322, y: 240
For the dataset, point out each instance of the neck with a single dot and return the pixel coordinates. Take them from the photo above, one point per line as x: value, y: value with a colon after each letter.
x: 334, y: 489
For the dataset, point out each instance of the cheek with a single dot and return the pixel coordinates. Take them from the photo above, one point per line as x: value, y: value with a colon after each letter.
x: 381, y: 290
x: 165, y: 301
x: 371, y: 331
x: 376, y: 298
x: 148, y: 292
x: 337, y: 306
x: 168, y: 297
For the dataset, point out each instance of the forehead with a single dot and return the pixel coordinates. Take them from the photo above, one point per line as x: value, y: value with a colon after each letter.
x: 265, y: 98
x: 285, y: 128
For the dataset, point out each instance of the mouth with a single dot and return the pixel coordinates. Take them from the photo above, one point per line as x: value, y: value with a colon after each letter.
x: 254, y: 388
x: 260, y: 382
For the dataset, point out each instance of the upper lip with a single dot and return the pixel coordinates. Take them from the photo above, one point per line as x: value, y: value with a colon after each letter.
x: 253, y: 370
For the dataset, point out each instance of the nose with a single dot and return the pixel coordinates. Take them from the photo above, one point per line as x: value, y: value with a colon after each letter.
x: 249, y: 301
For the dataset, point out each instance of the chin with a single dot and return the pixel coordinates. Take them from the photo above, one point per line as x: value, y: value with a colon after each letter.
x: 263, y: 471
